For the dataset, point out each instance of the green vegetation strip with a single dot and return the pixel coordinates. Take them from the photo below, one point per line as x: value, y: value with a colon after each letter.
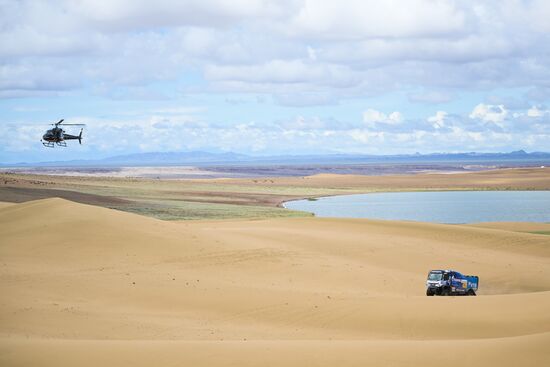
x: 185, y: 210
x: 541, y: 232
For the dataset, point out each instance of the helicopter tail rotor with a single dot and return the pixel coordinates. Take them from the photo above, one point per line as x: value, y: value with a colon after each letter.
x: 80, y: 137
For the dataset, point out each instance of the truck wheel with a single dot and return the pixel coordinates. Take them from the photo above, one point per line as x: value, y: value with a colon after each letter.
x: 429, y: 293
x: 471, y: 292
x: 445, y: 292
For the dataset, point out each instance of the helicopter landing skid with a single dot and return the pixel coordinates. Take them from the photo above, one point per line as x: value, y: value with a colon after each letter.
x: 51, y: 144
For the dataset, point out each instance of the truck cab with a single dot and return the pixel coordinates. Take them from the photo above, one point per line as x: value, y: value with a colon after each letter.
x: 451, y: 283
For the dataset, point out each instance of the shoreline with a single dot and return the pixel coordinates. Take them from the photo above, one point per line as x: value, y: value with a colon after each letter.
x: 314, y: 198
x: 249, y: 197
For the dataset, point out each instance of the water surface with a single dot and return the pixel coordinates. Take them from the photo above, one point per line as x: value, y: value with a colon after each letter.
x: 440, y: 207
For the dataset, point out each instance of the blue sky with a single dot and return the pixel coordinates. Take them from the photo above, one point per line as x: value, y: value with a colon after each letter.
x: 273, y: 77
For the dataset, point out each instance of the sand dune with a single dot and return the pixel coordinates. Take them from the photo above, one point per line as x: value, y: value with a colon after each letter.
x: 84, y: 285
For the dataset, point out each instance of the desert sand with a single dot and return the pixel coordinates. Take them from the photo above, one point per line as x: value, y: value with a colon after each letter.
x: 89, y: 286
x: 3, y: 204
x: 516, y: 226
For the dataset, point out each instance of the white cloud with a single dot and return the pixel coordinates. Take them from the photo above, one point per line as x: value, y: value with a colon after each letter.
x: 373, y: 117
x: 438, y: 120
x: 303, y: 123
x: 489, y: 113
x: 366, y: 136
x: 283, y: 72
x: 536, y: 112
x: 357, y: 19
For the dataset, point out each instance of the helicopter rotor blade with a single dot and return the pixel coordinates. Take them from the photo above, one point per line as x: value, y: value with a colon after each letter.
x: 74, y: 124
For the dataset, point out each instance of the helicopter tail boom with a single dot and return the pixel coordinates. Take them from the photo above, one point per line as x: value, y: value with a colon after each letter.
x: 73, y: 137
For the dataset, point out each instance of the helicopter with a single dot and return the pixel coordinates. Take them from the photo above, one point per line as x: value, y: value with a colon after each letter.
x: 57, y: 136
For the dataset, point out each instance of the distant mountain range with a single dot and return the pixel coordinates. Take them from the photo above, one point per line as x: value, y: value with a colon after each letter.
x: 200, y: 158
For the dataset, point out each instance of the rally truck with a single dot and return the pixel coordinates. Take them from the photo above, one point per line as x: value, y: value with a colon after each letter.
x: 451, y: 283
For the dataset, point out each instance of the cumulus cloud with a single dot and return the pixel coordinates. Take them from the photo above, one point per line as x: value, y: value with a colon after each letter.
x: 373, y: 117
x: 438, y: 120
x: 489, y: 113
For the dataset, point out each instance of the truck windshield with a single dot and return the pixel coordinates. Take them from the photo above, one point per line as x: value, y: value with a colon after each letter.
x: 434, y: 276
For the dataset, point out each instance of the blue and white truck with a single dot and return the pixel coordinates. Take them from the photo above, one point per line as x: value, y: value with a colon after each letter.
x: 451, y: 283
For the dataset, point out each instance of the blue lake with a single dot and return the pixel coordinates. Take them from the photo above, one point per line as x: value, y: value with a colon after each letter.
x: 440, y: 207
